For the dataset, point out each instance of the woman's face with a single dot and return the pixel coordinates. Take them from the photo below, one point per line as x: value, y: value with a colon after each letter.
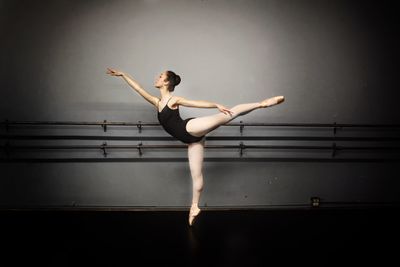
x: 160, y: 80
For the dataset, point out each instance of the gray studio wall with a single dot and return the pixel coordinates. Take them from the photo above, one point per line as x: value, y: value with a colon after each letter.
x: 332, y: 60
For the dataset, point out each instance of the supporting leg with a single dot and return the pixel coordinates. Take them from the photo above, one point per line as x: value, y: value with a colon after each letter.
x: 196, y: 154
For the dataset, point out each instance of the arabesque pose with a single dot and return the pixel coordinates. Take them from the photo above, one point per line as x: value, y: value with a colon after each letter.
x: 191, y: 131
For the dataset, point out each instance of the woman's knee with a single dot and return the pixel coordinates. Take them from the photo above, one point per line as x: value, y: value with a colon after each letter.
x: 196, y: 174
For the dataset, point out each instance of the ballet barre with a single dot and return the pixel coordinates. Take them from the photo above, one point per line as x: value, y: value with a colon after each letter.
x: 6, y: 123
x: 106, y: 149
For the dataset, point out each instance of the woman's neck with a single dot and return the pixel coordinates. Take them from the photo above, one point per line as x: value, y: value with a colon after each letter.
x: 165, y: 93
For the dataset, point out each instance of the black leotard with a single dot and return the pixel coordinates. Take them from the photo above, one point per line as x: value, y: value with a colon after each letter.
x: 172, y: 122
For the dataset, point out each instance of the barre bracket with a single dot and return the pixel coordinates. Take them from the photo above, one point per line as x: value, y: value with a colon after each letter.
x: 335, y: 128
x: 104, y: 125
x: 333, y: 150
x: 139, y: 147
x: 242, y: 147
x: 103, y: 147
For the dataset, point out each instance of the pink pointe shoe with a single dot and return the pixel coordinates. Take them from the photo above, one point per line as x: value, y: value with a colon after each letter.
x: 272, y: 101
x: 193, y: 214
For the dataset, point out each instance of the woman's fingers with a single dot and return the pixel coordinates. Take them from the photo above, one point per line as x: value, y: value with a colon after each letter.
x: 112, y: 72
x: 229, y: 111
x: 225, y: 110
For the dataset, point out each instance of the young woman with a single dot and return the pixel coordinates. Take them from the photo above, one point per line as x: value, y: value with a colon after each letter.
x: 191, y: 131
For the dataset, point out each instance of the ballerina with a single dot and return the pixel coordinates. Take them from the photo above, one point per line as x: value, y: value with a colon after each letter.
x: 191, y: 131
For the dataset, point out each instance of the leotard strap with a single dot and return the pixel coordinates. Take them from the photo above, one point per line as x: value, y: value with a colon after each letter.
x: 160, y: 101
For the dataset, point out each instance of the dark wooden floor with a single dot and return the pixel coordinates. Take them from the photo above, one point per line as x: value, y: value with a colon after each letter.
x: 219, y: 238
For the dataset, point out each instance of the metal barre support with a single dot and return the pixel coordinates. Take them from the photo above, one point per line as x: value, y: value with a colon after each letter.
x: 242, y: 146
x: 103, y: 147
x: 104, y: 125
x: 139, y: 147
x: 333, y: 150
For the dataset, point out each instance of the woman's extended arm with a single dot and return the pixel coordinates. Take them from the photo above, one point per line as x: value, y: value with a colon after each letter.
x: 201, y: 104
x: 135, y: 85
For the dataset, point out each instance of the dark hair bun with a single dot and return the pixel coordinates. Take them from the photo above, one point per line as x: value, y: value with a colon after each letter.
x: 177, y: 80
x: 173, y: 78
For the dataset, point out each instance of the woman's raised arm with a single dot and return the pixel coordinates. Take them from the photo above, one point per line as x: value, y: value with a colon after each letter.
x: 202, y: 104
x: 135, y: 85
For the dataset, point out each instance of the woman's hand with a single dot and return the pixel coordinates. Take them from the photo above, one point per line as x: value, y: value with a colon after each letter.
x: 224, y: 109
x: 113, y: 72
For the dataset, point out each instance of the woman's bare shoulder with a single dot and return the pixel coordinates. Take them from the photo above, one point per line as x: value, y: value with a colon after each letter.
x: 174, y: 101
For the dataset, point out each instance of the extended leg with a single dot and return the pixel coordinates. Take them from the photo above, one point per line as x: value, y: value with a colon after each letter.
x: 203, y: 125
x: 196, y: 154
